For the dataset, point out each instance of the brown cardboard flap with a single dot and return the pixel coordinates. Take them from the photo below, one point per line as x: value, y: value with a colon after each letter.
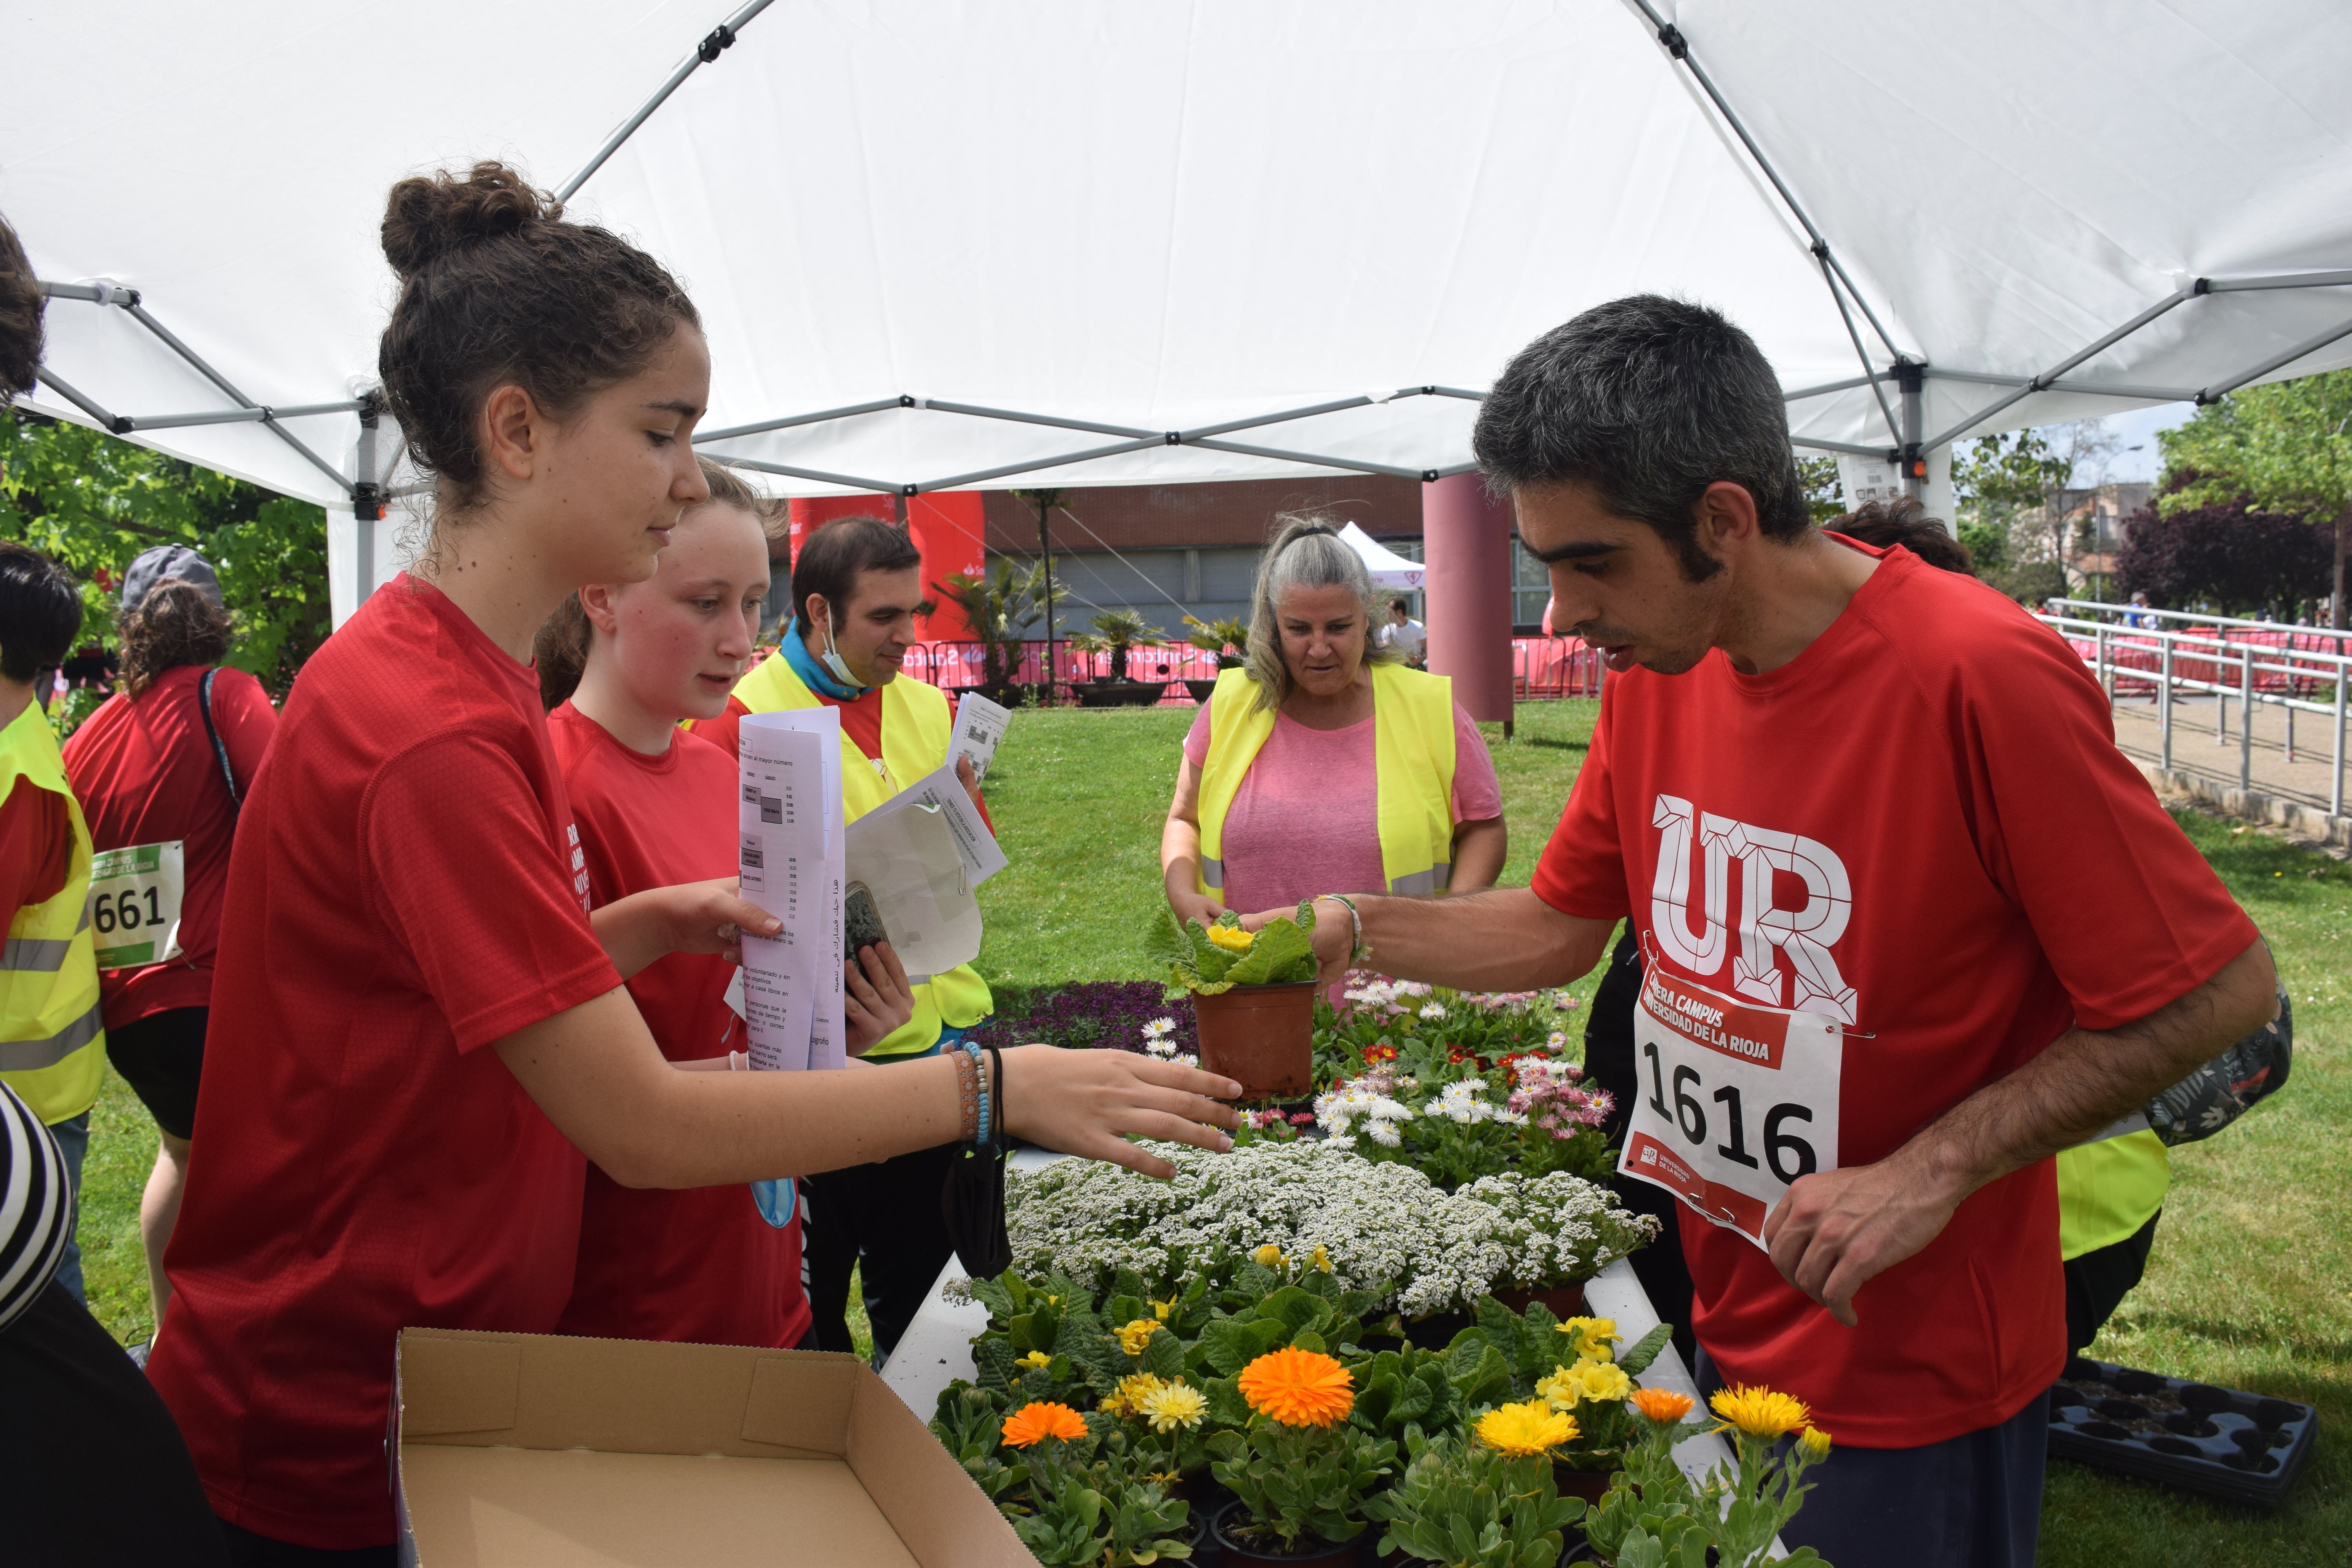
x: 464, y: 1385
x: 921, y: 1489
x: 797, y: 1405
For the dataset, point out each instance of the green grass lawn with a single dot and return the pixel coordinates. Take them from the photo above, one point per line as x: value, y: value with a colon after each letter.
x: 2250, y: 1285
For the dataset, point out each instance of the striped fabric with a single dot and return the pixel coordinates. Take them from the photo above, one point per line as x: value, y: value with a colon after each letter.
x: 35, y: 1210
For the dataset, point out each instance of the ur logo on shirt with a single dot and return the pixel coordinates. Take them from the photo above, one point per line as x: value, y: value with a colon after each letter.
x: 1805, y: 935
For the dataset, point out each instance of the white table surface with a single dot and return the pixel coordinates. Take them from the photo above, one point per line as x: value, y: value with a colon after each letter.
x: 936, y: 1349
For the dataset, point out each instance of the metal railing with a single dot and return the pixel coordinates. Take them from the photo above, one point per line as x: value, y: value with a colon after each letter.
x: 2251, y: 663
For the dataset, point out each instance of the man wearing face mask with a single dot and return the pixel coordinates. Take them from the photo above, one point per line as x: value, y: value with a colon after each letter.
x: 855, y: 591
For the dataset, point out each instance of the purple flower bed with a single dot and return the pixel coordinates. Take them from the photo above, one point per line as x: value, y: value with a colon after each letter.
x: 1089, y: 1013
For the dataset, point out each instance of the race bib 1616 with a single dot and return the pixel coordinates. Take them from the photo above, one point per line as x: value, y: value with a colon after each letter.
x: 1736, y: 1101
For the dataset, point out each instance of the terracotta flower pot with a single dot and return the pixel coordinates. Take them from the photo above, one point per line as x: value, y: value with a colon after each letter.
x: 1240, y: 1555
x: 1262, y: 1035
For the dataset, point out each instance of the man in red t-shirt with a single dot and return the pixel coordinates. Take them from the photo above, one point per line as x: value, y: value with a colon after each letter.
x: 1912, y: 924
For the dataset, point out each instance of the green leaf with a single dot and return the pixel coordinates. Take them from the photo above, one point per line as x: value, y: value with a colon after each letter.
x: 1277, y: 955
x: 1645, y: 1349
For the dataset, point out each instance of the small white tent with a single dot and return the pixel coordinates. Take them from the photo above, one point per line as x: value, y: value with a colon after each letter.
x: 1388, y: 569
x: 942, y: 245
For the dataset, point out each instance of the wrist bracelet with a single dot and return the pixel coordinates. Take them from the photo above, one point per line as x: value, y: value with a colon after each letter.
x: 967, y: 1094
x: 969, y: 1049
x: 1358, y: 952
x: 738, y: 1061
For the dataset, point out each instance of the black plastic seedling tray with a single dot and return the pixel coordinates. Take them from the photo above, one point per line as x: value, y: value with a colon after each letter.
x: 2246, y: 1448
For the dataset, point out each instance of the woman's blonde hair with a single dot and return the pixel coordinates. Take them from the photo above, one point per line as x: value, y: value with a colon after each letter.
x: 559, y: 650
x: 1305, y: 551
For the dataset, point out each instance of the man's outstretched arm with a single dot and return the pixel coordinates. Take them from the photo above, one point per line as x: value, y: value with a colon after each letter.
x: 1504, y: 940
x: 1833, y: 1232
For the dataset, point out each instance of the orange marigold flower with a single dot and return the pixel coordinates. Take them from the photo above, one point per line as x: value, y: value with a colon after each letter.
x: 1661, y: 1404
x: 1298, y: 1388
x: 1040, y: 1420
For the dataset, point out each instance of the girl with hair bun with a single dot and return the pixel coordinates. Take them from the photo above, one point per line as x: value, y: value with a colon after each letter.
x: 418, y: 1025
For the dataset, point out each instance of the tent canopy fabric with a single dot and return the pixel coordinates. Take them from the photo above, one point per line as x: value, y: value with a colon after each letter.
x: 1388, y: 569
x: 1148, y: 221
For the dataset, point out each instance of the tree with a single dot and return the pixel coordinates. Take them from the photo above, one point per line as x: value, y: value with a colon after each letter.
x: 2007, y: 487
x: 998, y: 603
x: 94, y: 502
x: 2287, y: 447
x: 2230, y: 556
x: 1824, y: 491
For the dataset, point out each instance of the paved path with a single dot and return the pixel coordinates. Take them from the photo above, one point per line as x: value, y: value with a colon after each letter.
x: 2305, y: 780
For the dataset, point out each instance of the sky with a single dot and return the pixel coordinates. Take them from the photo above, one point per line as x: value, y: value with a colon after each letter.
x: 2137, y: 429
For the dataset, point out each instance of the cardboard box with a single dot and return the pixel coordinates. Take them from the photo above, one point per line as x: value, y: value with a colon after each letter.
x: 530, y: 1451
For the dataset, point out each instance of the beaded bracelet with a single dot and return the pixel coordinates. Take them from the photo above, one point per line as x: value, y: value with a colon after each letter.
x: 967, y: 1093
x: 969, y: 1049
x: 1358, y: 952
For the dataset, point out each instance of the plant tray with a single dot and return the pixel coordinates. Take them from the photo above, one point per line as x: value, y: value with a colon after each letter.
x: 2246, y: 1448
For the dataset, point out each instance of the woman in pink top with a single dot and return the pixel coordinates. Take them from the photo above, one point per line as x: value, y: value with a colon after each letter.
x: 1264, y: 817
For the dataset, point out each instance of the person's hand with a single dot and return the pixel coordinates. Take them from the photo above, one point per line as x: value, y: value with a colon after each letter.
x: 877, y: 999
x: 1334, y: 934
x: 1834, y: 1231
x: 1195, y: 907
x: 690, y: 917
x: 970, y: 780
x: 1090, y: 1102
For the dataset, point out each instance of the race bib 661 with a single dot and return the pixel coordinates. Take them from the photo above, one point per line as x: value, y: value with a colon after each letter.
x: 1736, y: 1101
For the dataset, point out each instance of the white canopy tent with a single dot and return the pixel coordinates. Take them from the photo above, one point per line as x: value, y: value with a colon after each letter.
x: 944, y: 246
x: 1388, y: 569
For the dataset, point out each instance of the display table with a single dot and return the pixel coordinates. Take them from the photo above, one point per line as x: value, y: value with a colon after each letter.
x: 937, y: 1347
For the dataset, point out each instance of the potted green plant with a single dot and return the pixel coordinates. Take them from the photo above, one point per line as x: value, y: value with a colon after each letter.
x: 1253, y: 995
x: 1466, y: 1503
x: 1223, y: 640
x: 1301, y: 1473
x: 1654, y: 1515
x: 1118, y: 633
x: 998, y: 603
x: 1572, y: 1365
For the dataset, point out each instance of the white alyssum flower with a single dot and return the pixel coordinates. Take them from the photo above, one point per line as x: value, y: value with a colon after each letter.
x: 1385, y: 1227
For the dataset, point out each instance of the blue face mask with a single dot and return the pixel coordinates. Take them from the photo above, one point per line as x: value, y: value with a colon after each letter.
x: 828, y: 675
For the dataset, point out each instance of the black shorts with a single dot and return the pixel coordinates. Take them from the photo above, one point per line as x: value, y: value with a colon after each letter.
x: 160, y: 1057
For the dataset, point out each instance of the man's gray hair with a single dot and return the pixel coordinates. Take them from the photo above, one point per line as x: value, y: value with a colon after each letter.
x: 1304, y: 552
x: 1648, y: 400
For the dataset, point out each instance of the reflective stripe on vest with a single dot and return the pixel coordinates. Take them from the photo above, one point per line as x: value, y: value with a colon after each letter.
x: 51, y: 1025
x: 1412, y: 748
x: 916, y: 729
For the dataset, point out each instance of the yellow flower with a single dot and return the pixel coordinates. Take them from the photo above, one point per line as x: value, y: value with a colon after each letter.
x: 1815, y: 1441
x: 1595, y: 1337
x: 1760, y: 1412
x: 1035, y: 1358
x: 1172, y: 1404
x: 1563, y: 1389
x: 1298, y: 1388
x: 1269, y: 1256
x: 1033, y: 1423
x: 1519, y: 1430
x: 1661, y: 1405
x: 1321, y: 1259
x: 1233, y: 939
x: 1127, y: 1399
x: 1160, y: 1310
x: 1132, y: 1336
x: 1605, y: 1381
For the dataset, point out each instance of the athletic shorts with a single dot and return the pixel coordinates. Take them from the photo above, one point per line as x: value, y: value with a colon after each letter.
x: 160, y: 1057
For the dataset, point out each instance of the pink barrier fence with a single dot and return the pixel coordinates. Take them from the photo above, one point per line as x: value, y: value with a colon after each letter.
x: 1541, y: 667
x: 2130, y: 651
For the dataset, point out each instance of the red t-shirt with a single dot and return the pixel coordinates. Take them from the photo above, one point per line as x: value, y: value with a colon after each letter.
x: 699, y: 1264
x: 406, y: 888
x: 145, y: 772
x: 1950, y: 769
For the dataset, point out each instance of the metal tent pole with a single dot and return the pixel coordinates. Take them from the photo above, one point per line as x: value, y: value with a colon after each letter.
x: 1045, y: 550
x: 2335, y: 785
x: 720, y: 38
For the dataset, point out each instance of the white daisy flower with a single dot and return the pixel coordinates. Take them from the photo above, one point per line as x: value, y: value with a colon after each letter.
x: 1432, y: 1009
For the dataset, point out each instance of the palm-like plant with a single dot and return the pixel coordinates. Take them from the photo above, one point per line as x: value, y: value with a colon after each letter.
x: 1217, y: 637
x: 998, y: 603
x: 1118, y: 632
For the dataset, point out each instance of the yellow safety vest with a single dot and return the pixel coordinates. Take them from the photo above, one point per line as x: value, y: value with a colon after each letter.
x: 915, y: 728
x: 1413, y: 730
x: 2107, y: 1190
x: 52, y: 1039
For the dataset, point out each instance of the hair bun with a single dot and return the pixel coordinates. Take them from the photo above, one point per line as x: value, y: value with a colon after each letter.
x: 430, y: 215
